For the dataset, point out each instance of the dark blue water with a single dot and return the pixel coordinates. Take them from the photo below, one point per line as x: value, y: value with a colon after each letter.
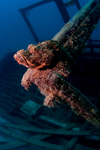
x: 46, y: 20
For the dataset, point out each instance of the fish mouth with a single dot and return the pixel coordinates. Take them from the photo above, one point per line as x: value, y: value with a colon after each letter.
x: 19, y: 58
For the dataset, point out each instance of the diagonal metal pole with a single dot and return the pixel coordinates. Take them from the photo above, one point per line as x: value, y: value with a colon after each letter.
x: 76, y: 32
x: 51, y: 61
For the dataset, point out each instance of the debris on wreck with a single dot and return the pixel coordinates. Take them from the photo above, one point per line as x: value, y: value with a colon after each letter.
x: 70, y: 2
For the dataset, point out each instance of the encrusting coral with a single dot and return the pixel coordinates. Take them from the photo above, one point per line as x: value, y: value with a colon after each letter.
x: 51, y: 61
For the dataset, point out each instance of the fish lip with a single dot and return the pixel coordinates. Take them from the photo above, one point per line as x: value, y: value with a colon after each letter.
x: 19, y: 57
x: 22, y: 60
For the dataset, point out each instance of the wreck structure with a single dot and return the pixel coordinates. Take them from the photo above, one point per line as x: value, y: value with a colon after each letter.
x: 61, y: 70
x: 51, y: 61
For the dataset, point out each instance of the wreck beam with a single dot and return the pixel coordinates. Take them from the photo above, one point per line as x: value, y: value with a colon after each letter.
x: 78, y: 4
x: 76, y: 32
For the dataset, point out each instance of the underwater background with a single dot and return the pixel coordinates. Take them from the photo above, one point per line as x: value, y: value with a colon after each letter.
x: 26, y: 107
x: 46, y: 20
